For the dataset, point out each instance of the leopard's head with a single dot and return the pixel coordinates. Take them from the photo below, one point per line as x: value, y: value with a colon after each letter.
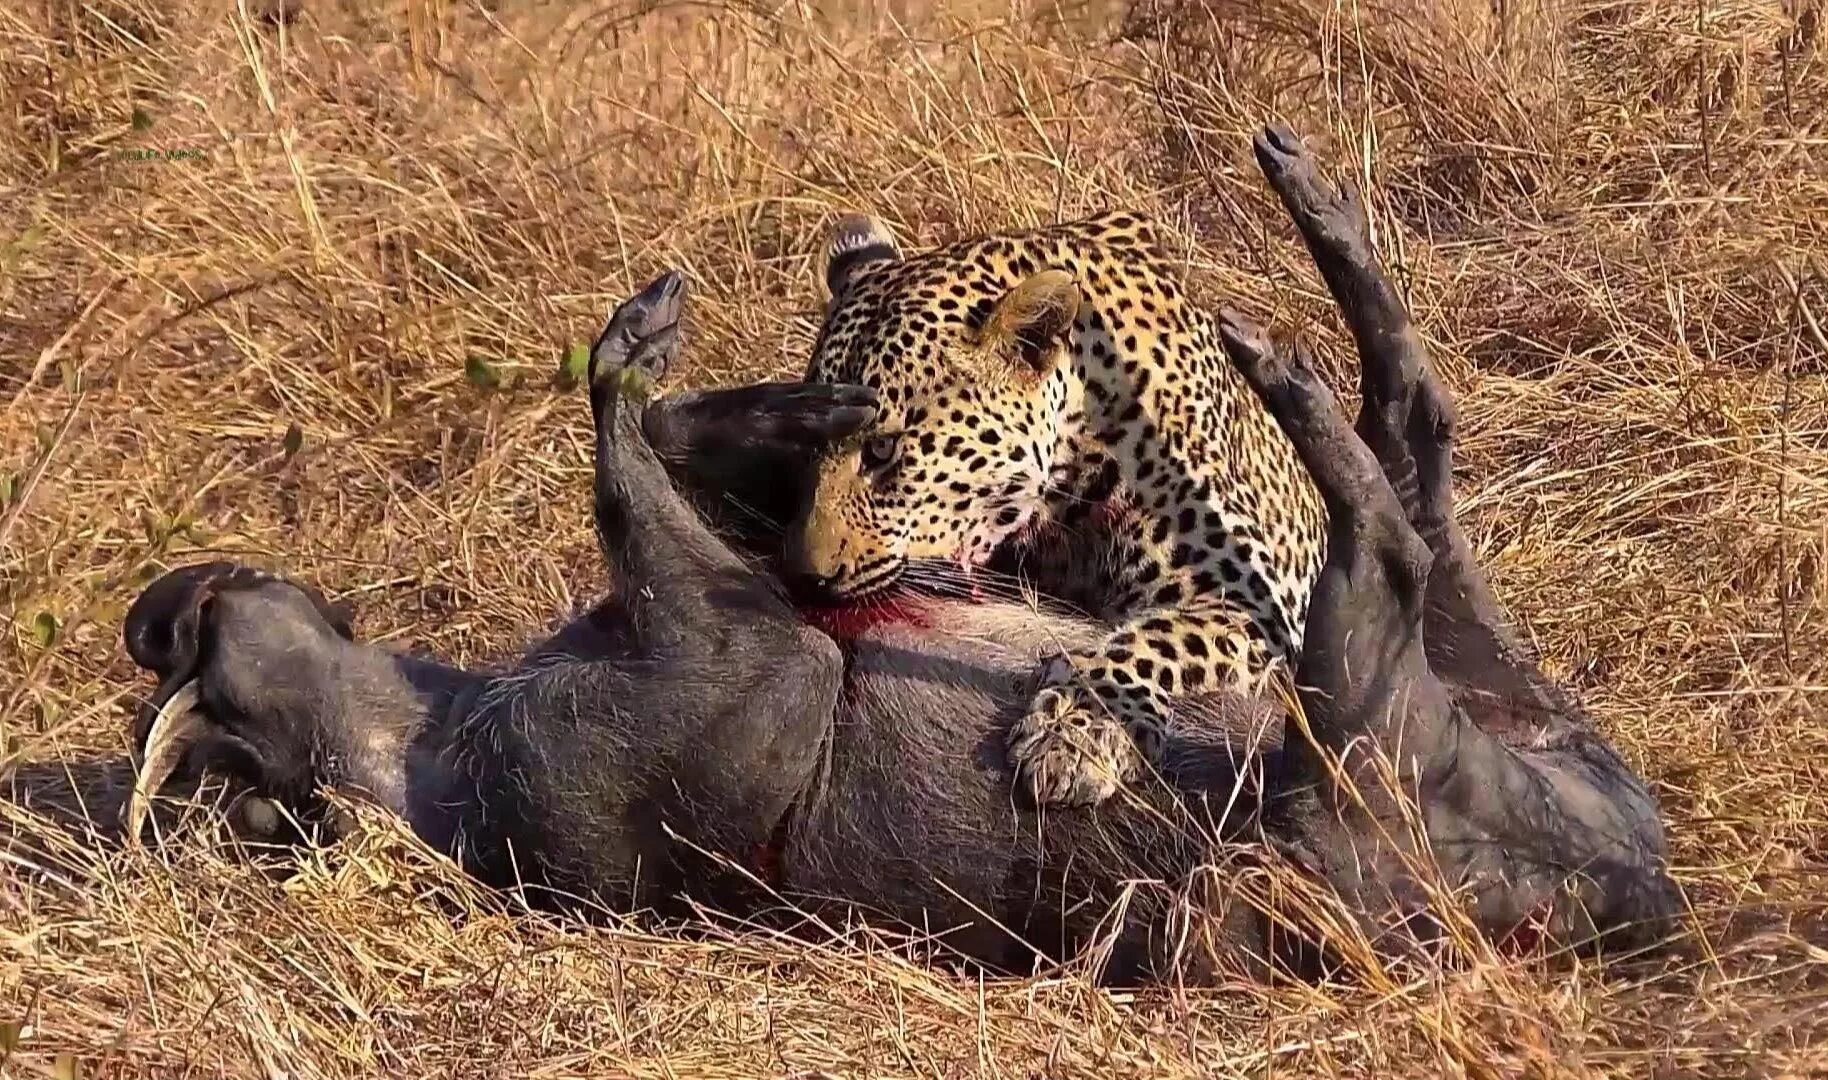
x: 966, y: 347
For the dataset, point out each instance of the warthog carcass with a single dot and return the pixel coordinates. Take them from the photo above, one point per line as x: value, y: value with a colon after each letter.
x: 698, y: 737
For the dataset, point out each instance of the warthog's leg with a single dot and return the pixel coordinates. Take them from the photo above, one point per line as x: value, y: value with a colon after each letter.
x: 1405, y: 652
x: 743, y: 453
x: 1407, y: 419
x: 701, y: 710
x: 660, y: 552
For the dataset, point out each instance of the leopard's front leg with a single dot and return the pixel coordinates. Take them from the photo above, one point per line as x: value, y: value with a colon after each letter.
x: 1100, y: 718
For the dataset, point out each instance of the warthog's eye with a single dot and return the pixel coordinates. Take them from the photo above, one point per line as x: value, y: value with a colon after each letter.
x: 879, y: 452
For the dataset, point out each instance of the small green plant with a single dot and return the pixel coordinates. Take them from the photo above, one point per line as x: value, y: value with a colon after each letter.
x: 574, y: 365
x: 45, y: 628
x: 481, y: 372
x: 14, y: 251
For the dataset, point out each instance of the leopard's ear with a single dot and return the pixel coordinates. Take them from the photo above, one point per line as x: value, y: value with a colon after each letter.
x: 856, y: 240
x: 1029, y: 325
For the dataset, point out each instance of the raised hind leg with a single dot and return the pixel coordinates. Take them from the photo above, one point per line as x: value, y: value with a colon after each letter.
x: 1407, y: 418
x: 1404, y: 652
x: 1561, y: 840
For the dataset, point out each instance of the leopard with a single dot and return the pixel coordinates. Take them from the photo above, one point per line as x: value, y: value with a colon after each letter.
x: 1054, y: 407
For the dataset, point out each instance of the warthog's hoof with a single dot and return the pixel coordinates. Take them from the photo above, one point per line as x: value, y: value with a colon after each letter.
x: 1333, y: 218
x: 640, y: 341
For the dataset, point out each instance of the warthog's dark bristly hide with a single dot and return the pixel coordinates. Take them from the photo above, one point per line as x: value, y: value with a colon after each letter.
x: 698, y: 737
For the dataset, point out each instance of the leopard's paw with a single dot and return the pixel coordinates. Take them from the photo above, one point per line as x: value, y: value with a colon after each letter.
x: 1071, y: 752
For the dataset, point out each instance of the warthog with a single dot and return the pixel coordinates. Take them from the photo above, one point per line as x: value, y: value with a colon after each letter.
x: 697, y: 737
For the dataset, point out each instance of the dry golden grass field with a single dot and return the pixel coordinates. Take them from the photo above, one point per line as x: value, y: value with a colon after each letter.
x: 291, y: 283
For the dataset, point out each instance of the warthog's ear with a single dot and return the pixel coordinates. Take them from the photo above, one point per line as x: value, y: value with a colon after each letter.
x: 857, y: 239
x: 166, y: 632
x: 1029, y: 324
x: 162, y: 630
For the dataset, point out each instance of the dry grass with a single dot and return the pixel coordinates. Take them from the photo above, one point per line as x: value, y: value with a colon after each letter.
x: 1611, y: 215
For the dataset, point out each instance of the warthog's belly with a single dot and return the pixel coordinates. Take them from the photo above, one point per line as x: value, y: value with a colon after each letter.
x: 923, y: 813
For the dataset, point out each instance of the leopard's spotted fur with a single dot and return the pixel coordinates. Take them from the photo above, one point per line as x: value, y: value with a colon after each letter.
x: 1052, y: 402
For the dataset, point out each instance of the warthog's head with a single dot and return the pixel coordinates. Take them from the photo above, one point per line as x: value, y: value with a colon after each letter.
x: 242, y: 658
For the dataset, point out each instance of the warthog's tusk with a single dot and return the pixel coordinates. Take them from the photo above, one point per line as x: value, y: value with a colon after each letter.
x: 173, y: 729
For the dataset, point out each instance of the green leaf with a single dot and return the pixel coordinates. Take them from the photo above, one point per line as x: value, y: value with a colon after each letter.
x: 9, y: 486
x: 635, y: 384
x: 142, y: 120
x: 480, y: 372
x: 70, y: 376
x: 22, y: 245
x: 66, y: 1067
x: 294, y: 440
x: 575, y: 365
x: 44, y: 629
x: 12, y: 1032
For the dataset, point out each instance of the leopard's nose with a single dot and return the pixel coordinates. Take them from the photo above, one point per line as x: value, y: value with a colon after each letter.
x: 810, y: 585
x: 813, y: 556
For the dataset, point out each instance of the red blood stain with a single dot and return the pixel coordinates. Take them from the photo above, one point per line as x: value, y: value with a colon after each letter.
x: 1528, y: 936
x: 767, y: 856
x: 853, y: 620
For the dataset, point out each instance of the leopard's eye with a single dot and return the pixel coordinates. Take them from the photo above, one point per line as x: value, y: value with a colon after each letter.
x: 879, y: 452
